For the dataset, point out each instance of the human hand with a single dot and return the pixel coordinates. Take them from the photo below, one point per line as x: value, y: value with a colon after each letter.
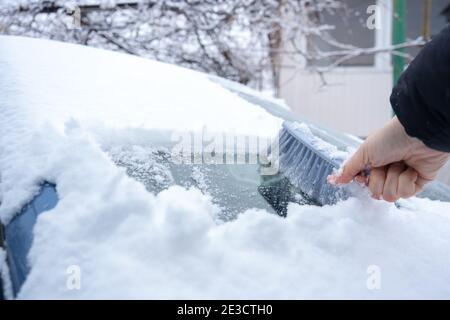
x: 400, y: 165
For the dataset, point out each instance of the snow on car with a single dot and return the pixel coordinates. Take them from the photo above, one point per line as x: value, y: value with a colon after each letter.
x: 87, y: 164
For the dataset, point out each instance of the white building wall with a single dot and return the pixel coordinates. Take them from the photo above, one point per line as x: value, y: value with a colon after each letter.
x: 356, y: 101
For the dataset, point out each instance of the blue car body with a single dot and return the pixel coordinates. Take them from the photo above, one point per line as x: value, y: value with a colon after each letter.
x: 19, y: 234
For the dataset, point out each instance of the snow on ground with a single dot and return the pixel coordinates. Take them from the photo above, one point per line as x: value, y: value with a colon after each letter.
x: 129, y: 243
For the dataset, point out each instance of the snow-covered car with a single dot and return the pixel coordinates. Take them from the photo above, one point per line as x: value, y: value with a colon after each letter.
x: 105, y: 191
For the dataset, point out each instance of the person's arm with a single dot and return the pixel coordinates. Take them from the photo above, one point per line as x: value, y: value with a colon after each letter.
x: 421, y: 99
x: 410, y: 149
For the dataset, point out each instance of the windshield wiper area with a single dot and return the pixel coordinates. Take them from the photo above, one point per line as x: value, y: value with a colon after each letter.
x: 279, y: 192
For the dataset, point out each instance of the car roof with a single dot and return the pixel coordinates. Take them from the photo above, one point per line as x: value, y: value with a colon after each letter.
x: 95, y: 86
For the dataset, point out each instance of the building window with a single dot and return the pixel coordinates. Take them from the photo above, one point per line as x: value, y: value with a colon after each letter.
x: 421, y: 21
x: 350, y: 29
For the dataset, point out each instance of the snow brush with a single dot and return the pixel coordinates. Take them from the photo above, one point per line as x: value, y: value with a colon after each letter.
x: 308, y: 155
x: 307, y: 160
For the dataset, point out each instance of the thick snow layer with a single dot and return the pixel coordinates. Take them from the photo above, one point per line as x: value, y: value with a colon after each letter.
x: 171, y: 247
x: 116, y: 240
x: 101, y: 90
x: 69, y: 81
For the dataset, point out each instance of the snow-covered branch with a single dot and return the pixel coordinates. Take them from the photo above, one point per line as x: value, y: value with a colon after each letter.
x: 242, y: 40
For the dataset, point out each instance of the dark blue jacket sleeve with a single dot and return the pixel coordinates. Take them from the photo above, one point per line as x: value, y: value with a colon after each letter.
x: 421, y: 99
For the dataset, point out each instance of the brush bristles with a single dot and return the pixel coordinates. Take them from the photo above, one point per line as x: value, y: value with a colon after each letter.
x: 307, y: 169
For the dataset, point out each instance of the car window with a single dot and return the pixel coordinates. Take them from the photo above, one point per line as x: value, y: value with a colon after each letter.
x: 19, y: 233
x: 234, y: 188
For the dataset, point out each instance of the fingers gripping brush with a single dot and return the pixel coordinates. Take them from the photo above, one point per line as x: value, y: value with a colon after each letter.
x: 307, y: 161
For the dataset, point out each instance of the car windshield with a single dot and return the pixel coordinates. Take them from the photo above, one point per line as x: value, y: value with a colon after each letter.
x: 234, y: 188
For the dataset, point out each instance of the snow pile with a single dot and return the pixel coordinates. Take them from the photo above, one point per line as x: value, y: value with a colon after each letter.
x: 106, y: 93
x: 170, y: 246
x: 129, y: 243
